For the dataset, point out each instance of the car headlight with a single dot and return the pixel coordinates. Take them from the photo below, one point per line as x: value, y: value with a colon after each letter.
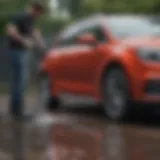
x: 149, y: 54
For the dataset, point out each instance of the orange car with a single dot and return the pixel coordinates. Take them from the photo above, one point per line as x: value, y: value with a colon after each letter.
x: 112, y: 60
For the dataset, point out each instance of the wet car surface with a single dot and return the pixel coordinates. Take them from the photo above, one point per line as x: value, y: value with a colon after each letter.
x: 82, y: 133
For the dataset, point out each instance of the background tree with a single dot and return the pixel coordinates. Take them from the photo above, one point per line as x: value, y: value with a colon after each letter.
x: 77, y: 9
x: 88, y: 7
x: 7, y: 9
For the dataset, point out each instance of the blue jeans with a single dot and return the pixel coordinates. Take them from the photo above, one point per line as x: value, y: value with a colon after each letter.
x: 20, y: 73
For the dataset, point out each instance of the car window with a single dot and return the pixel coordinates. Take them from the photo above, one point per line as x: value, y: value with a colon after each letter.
x: 66, y: 36
x: 71, y: 38
x: 99, y: 34
x: 66, y: 42
x: 97, y: 31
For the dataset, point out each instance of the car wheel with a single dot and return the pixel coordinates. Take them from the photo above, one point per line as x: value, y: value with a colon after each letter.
x: 47, y: 101
x: 116, y: 94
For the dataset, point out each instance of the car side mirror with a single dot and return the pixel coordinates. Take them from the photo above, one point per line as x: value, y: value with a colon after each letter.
x: 87, y: 38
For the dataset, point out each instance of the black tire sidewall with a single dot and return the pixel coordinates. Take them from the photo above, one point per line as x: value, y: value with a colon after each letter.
x: 106, y: 102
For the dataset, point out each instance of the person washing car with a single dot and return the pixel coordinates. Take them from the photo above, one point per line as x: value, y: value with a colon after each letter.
x: 22, y: 35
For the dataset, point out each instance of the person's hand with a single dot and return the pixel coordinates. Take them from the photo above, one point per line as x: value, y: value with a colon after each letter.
x: 28, y: 43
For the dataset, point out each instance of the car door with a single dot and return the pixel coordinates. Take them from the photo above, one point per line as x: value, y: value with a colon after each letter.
x: 63, y: 58
x: 61, y: 53
x: 85, y: 61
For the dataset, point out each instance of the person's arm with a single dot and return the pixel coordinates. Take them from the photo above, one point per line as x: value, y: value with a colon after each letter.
x: 38, y: 37
x: 13, y: 32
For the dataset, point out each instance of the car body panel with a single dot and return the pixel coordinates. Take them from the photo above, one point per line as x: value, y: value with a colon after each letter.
x: 79, y: 68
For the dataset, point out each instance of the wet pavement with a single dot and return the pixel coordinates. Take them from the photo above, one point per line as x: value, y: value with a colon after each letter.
x: 79, y: 134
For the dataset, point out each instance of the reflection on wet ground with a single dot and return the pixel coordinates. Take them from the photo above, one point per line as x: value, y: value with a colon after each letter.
x: 80, y: 134
x: 23, y: 141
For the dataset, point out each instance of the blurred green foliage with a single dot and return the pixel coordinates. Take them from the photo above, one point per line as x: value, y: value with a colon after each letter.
x: 77, y: 9
x: 118, y: 6
x: 7, y: 9
x: 50, y: 26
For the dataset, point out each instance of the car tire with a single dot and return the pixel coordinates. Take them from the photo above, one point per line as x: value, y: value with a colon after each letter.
x: 47, y: 101
x: 116, y: 94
